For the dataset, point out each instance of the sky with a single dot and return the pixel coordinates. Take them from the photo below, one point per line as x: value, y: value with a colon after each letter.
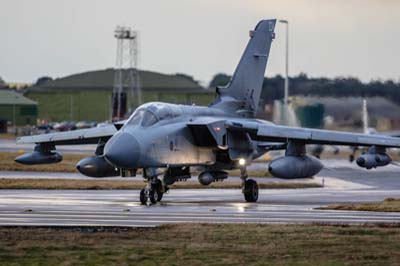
x: 330, y: 38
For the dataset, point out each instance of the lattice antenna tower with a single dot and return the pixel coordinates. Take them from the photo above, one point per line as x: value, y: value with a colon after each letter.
x: 126, y: 77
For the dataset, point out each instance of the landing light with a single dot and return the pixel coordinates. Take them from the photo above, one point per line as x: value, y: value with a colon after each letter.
x: 242, y: 162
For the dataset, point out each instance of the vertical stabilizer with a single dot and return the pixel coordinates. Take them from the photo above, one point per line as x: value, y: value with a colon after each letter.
x: 242, y: 94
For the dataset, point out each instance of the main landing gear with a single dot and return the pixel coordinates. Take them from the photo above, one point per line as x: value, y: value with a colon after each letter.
x: 152, y: 193
x: 249, y: 187
x: 155, y: 189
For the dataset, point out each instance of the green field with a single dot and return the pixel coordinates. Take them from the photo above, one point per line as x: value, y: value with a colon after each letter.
x: 201, y: 244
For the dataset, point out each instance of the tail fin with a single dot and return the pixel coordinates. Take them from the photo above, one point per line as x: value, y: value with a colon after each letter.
x: 242, y: 94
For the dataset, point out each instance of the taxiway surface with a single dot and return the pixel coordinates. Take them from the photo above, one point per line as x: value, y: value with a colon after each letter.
x: 121, y: 207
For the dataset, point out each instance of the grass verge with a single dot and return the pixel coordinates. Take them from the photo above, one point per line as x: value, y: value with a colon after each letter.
x: 202, y: 244
x: 388, y: 205
x: 11, y: 183
x: 8, y: 136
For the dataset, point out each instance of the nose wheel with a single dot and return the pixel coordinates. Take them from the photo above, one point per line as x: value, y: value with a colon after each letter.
x: 250, y: 190
x: 249, y: 187
x: 152, y: 193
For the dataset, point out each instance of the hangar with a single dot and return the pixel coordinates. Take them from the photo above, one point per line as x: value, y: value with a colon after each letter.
x: 88, y: 95
x: 16, y: 109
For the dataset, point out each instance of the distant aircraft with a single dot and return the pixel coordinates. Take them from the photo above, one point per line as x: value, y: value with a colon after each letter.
x: 317, y: 150
x: 369, y: 130
x: 168, y: 141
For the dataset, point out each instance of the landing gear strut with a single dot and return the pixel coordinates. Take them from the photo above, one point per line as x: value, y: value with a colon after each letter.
x: 352, y: 154
x: 249, y: 187
x: 152, y: 193
x: 159, y: 191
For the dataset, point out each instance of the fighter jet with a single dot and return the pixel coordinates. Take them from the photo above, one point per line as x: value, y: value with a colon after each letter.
x: 369, y: 130
x: 170, y: 141
x: 317, y: 150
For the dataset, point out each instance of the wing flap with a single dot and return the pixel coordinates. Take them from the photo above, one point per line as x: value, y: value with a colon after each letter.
x: 338, y: 136
x: 282, y: 133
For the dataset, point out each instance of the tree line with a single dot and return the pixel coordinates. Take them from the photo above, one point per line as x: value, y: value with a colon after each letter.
x: 323, y: 87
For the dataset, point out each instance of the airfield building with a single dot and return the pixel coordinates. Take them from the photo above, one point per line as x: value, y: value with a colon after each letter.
x: 345, y: 112
x: 15, y: 109
x: 88, y: 96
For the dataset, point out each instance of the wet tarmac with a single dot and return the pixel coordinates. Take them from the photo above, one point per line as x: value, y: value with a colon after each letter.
x: 121, y: 207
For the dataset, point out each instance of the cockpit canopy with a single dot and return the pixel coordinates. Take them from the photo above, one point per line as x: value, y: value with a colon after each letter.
x: 149, y: 114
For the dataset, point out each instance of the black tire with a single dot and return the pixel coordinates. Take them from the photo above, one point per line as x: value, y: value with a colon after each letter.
x: 159, y: 195
x: 142, y: 197
x: 351, y: 158
x: 250, y: 190
x: 153, y: 196
x: 158, y: 190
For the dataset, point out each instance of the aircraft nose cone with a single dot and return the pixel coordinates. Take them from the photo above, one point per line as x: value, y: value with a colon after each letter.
x: 122, y: 151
